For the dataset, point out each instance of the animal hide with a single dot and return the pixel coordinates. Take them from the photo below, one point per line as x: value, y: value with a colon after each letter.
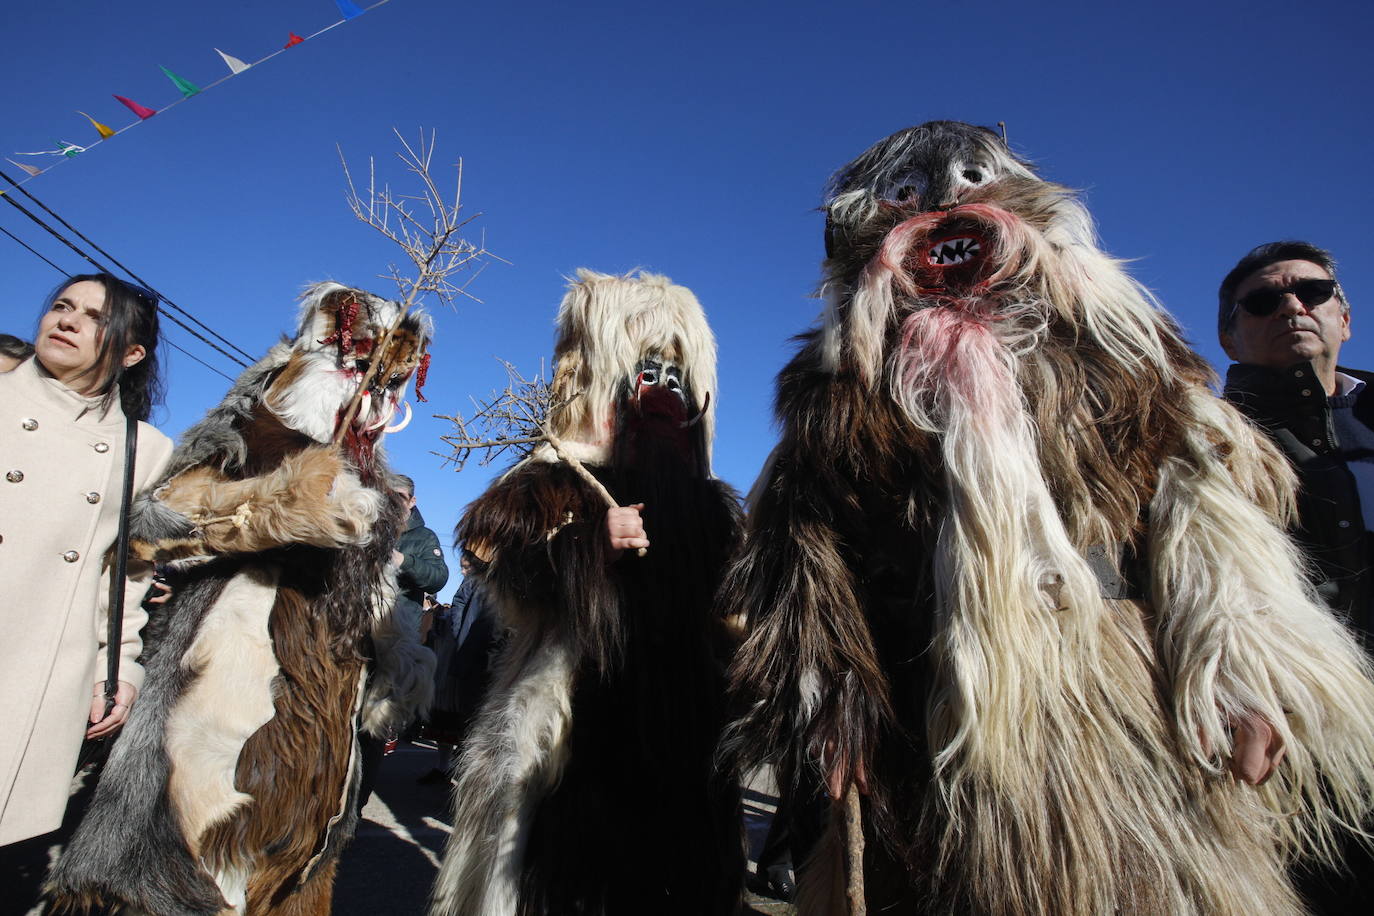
x: 587, y: 783
x: 990, y: 436
x: 231, y: 787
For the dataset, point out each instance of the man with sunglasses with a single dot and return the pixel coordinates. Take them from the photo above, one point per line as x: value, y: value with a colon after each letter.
x: 1282, y: 317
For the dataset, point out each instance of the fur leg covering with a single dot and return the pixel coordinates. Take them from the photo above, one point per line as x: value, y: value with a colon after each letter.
x: 514, y: 756
x: 400, y: 687
x: 130, y: 822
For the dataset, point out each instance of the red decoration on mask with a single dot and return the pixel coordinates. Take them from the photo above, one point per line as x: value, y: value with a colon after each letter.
x: 347, y: 314
x: 420, y: 376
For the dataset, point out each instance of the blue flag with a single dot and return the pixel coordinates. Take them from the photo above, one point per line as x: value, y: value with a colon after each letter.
x: 348, y: 8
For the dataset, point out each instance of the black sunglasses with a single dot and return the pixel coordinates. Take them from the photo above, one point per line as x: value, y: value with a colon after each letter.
x: 1310, y: 292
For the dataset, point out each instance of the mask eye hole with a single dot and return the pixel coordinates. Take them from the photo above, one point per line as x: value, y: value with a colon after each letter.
x: 973, y: 176
x: 905, y: 192
x: 648, y: 377
x: 362, y: 365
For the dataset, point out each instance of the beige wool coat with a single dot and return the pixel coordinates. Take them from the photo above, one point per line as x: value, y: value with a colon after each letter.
x: 61, y: 474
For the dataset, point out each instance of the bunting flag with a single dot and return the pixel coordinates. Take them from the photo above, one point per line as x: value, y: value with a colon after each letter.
x: 142, y: 112
x: 33, y: 172
x: 235, y: 65
x: 348, y: 8
x: 187, y: 87
x: 104, y: 131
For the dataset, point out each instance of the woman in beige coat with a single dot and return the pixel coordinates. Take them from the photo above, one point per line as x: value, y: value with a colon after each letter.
x: 62, y: 430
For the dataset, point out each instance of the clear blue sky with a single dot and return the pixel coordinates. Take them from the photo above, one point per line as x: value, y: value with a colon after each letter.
x: 690, y: 139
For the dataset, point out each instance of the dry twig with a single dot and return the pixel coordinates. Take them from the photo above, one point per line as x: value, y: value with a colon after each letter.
x: 516, y: 419
x: 429, y: 229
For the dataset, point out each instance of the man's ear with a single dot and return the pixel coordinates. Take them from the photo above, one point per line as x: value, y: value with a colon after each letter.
x: 134, y: 356
x: 1229, y: 346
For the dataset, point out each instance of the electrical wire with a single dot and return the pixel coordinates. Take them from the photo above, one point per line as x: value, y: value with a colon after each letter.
x: 65, y: 273
x: 101, y: 267
x: 123, y: 267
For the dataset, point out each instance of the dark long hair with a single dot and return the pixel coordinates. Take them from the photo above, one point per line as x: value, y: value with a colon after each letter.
x: 130, y: 318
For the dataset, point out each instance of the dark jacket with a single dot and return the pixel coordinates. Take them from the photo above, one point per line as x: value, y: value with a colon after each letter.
x: 1290, y: 405
x: 422, y: 571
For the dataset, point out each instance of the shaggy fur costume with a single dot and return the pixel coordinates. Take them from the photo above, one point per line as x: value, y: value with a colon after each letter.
x: 992, y: 432
x: 231, y: 786
x: 587, y: 784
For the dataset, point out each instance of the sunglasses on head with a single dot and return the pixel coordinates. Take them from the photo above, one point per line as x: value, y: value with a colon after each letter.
x: 1310, y: 292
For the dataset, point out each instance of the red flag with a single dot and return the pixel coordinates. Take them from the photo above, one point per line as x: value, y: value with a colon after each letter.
x: 293, y: 40
x: 143, y: 113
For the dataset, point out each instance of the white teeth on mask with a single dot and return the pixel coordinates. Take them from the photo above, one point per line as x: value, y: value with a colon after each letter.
x: 404, y: 423
x: 954, y: 251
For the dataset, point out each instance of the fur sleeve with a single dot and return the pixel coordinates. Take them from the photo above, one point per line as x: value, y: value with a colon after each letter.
x: 309, y: 498
x: 1241, y: 632
x: 807, y: 671
x: 538, y: 530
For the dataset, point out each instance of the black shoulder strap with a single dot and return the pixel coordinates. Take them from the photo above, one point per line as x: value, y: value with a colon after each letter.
x: 121, y: 567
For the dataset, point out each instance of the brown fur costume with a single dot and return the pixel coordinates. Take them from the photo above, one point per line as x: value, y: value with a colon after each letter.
x: 1014, y: 562
x: 586, y: 785
x: 231, y: 786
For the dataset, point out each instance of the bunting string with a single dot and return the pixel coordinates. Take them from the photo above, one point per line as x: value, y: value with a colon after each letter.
x: 64, y: 150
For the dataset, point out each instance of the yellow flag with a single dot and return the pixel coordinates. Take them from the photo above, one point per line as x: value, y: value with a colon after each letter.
x: 105, y: 132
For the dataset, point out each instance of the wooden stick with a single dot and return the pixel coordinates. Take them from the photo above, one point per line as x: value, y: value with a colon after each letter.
x: 854, y: 848
x: 571, y: 461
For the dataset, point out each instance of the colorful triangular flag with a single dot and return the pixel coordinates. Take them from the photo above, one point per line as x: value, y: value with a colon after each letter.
x: 293, y: 40
x: 187, y: 87
x: 104, y: 131
x: 349, y: 9
x: 33, y: 172
x: 235, y: 65
x: 142, y: 112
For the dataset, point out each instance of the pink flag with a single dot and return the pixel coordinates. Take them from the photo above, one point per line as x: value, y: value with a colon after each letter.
x: 142, y: 112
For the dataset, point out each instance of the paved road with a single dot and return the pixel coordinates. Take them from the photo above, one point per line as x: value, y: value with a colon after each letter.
x: 391, y: 863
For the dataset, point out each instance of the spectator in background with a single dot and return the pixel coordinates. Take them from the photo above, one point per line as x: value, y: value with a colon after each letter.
x: 418, y: 557
x: 420, y: 568
x: 63, y: 426
x: 13, y: 351
x: 463, y: 639
x: 1282, y: 316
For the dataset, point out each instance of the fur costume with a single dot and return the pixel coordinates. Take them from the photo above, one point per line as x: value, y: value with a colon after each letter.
x: 586, y: 784
x: 1014, y: 562
x: 232, y: 784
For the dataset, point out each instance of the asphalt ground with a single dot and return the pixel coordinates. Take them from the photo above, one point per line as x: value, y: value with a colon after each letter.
x: 391, y: 864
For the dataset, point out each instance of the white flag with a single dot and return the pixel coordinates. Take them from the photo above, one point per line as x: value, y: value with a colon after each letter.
x: 235, y: 65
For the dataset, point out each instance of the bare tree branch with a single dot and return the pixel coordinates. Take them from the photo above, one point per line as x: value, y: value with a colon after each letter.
x: 444, y: 261
x: 516, y: 419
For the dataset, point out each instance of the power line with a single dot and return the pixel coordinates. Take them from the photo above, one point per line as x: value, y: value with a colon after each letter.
x: 123, y: 267
x: 35, y: 251
x: 101, y: 267
x: 165, y: 339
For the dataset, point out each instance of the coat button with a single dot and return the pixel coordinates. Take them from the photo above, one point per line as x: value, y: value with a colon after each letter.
x: 30, y: 424
x: 102, y: 447
x: 71, y: 556
x: 14, y: 476
x: 92, y: 497
x: 1307, y: 392
x: 1316, y: 442
x: 1344, y: 523
x: 1298, y: 373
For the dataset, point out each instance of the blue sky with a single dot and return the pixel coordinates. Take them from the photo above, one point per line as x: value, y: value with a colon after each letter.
x: 690, y: 139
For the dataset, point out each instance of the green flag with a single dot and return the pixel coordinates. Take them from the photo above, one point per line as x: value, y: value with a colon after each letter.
x: 187, y: 88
